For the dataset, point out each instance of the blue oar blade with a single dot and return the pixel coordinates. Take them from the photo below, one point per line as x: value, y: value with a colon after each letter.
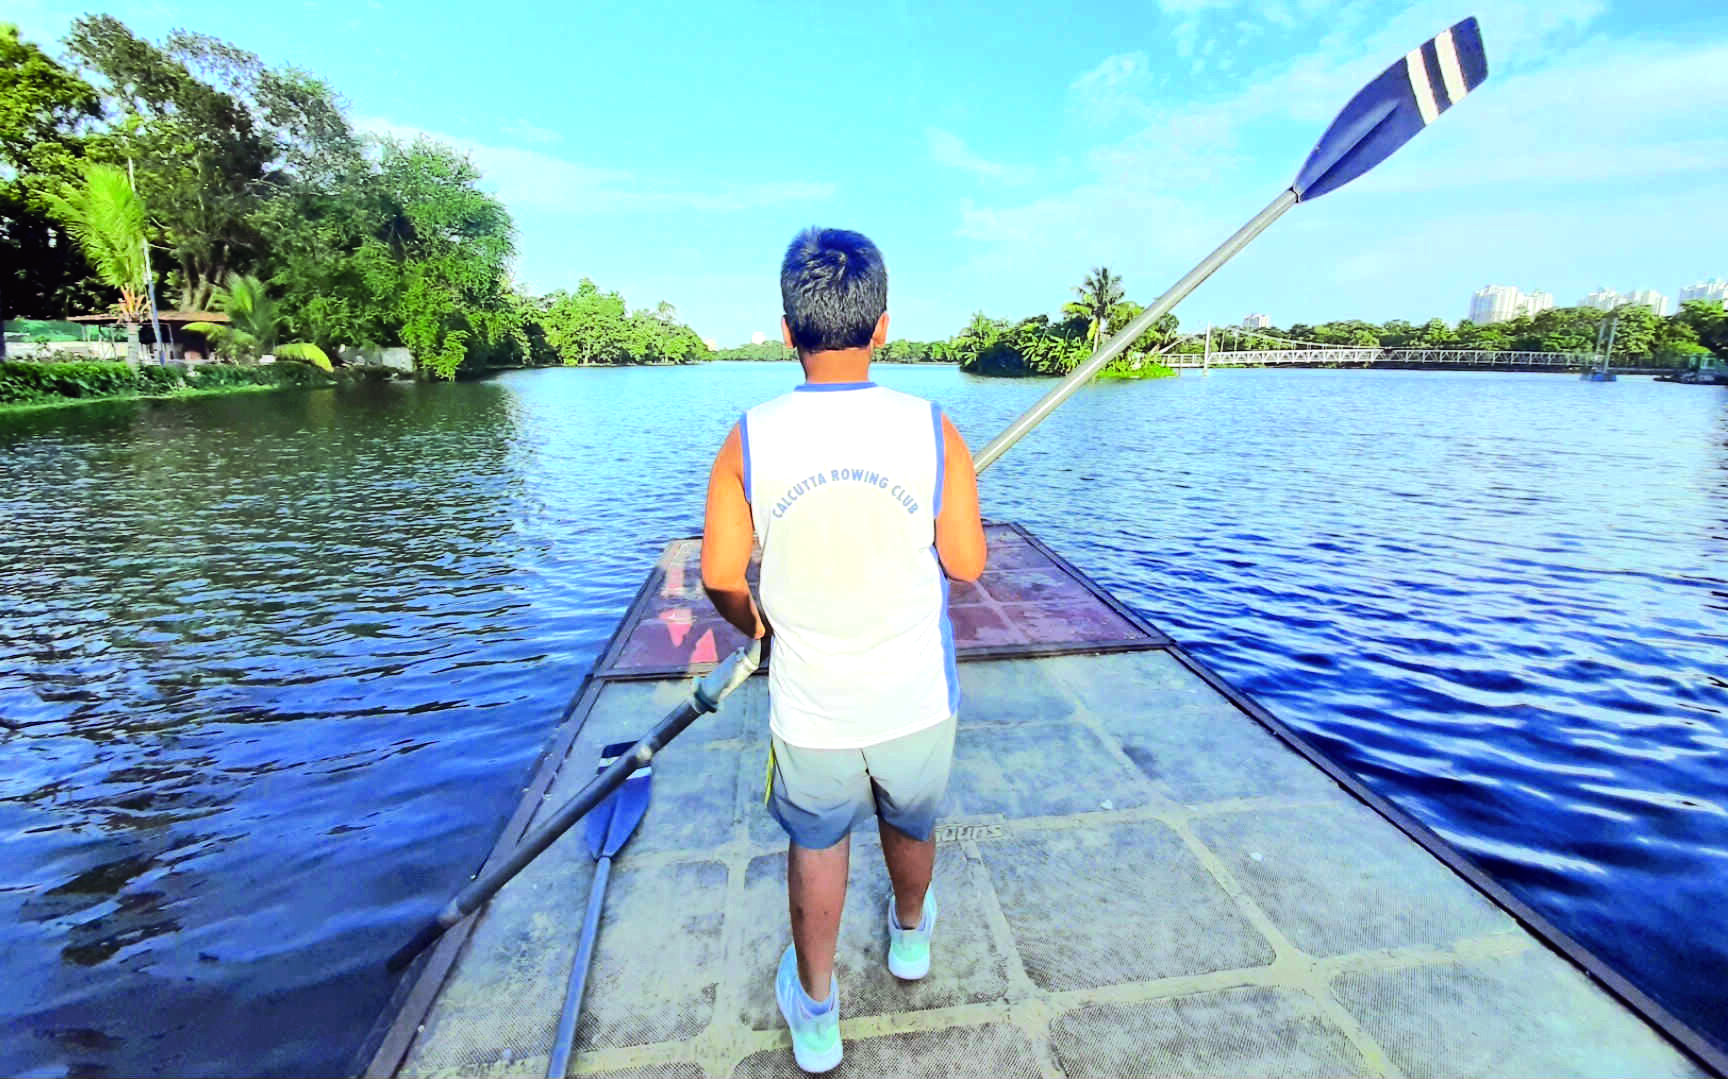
x: 1388, y: 112
x: 599, y: 820
x: 632, y: 804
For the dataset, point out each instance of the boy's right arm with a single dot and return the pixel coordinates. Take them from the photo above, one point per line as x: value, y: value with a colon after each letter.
x: 959, y: 529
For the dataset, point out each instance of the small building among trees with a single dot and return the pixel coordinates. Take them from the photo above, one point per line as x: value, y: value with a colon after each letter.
x: 183, y: 345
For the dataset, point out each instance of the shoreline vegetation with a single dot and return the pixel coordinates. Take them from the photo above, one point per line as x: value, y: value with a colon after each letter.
x: 27, y: 385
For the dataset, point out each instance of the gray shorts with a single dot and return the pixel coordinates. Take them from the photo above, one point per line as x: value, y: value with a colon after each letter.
x: 817, y: 796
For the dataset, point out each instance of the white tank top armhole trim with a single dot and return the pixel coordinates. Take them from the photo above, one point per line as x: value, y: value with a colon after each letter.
x: 744, y: 442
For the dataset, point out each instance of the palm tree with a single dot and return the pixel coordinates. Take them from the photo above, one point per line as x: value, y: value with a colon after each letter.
x: 106, y: 218
x: 254, y: 324
x: 1099, y: 294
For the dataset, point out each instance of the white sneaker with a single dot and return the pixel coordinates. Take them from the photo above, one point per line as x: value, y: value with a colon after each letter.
x: 909, y: 950
x: 815, y: 1038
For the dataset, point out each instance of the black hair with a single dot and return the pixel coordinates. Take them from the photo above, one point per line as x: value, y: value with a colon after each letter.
x: 834, y: 287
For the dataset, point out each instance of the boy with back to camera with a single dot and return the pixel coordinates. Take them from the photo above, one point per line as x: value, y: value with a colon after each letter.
x: 865, y: 503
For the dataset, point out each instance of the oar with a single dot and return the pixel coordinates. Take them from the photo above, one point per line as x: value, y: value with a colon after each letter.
x: 1384, y: 115
x: 705, y: 697
x: 609, y: 827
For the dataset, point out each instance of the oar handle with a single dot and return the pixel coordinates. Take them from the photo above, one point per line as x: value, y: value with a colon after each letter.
x: 706, y: 696
x: 1063, y: 390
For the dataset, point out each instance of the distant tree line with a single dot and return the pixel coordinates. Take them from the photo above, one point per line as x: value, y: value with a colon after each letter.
x: 1055, y: 345
x: 895, y: 352
x: 1641, y: 337
x: 593, y: 327
x: 1045, y: 345
x: 251, y: 176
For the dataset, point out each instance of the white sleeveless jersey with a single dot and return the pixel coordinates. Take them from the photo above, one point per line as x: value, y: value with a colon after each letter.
x: 844, y: 483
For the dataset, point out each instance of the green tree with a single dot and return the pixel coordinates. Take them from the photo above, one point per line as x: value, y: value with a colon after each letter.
x: 1097, y: 296
x: 1434, y: 334
x: 106, y: 218
x: 324, y: 203
x: 46, y: 116
x: 254, y: 326
x: 1560, y: 330
x: 1708, y: 322
x: 201, y: 159
x: 587, y: 326
x: 441, y: 269
x: 1395, y: 334
x: 1634, y: 333
x: 970, y: 344
x: 1160, y: 335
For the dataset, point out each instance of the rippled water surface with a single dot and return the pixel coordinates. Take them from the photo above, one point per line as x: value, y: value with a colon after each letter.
x: 273, y: 668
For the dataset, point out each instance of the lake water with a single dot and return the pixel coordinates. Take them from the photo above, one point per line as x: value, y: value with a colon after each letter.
x: 274, y: 668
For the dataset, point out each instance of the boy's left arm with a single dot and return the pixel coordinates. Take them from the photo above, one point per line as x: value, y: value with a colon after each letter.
x: 728, y: 534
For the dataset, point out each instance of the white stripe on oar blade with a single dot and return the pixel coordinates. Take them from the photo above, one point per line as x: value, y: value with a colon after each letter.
x: 1417, y: 69
x: 646, y: 770
x: 1450, y: 71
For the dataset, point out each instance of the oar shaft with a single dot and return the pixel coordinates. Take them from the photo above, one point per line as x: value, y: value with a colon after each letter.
x: 483, y: 887
x: 565, y: 1041
x: 1063, y: 390
x: 709, y: 692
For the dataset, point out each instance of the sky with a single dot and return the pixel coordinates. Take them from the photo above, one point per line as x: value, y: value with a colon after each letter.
x: 670, y: 150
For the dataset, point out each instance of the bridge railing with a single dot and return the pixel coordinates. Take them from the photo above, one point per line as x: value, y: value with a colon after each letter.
x: 1369, y: 356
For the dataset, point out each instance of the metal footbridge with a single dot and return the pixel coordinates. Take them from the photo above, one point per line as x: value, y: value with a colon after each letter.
x: 1374, y: 356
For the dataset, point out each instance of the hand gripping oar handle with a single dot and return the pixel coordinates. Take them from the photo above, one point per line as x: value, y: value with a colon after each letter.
x: 706, y: 696
x: 1126, y: 336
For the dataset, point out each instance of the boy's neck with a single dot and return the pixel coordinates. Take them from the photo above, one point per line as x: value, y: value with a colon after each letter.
x: 836, y: 365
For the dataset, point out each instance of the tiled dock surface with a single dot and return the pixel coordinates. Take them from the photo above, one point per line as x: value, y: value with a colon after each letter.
x: 1136, y: 879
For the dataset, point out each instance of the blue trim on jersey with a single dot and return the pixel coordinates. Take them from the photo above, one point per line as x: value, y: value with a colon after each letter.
x: 949, y: 667
x: 825, y: 387
x: 941, y: 458
x: 744, y: 437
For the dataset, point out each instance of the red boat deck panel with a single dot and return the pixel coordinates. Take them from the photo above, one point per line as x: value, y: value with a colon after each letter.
x: 1028, y: 603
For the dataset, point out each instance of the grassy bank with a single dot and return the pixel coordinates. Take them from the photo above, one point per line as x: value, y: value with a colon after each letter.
x: 1144, y: 371
x: 28, y: 384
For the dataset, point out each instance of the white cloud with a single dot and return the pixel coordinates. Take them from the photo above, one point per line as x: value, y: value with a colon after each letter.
x: 947, y: 148
x: 541, y: 181
x: 533, y: 133
x: 1112, y: 91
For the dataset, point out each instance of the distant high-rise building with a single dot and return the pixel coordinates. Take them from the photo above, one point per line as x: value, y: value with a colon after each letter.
x: 1650, y: 298
x: 1603, y: 300
x: 1609, y: 299
x: 1497, y: 303
x: 1705, y: 290
x: 1256, y: 321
